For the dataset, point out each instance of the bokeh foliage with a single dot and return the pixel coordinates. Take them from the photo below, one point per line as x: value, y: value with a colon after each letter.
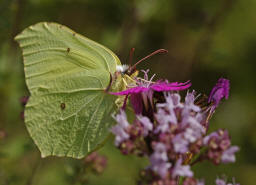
x: 206, y: 40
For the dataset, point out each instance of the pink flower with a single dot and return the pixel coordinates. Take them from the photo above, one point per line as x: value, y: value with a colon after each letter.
x: 159, y: 160
x: 147, y: 125
x: 228, y: 155
x: 157, y: 86
x: 219, y: 91
x: 181, y: 170
x: 223, y: 182
x: 119, y: 130
x: 145, y: 89
x: 219, y: 147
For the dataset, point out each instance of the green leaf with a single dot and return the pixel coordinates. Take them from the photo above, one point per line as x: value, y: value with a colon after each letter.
x: 68, y: 112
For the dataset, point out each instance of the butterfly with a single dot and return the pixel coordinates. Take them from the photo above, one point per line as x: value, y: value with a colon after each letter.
x: 69, y: 111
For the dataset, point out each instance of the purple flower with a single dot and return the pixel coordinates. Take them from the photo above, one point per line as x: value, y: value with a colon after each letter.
x: 96, y: 161
x: 161, y: 168
x: 194, y: 129
x: 180, y: 144
x: 220, y: 182
x: 141, y: 94
x: 192, y: 181
x: 181, y: 170
x: 159, y: 160
x: 166, y: 114
x: 190, y: 107
x: 210, y: 136
x: 164, y: 120
x: 137, y: 102
x: 172, y: 102
x: 145, y: 89
x: 219, y: 149
x: 187, y: 129
x: 160, y: 152
x: 119, y: 129
x: 228, y: 155
x: 156, y: 86
x: 165, y: 86
x: 192, y: 135
x: 218, y: 140
x: 219, y: 91
x: 147, y: 125
x: 189, y: 102
x: 121, y: 119
x: 223, y: 182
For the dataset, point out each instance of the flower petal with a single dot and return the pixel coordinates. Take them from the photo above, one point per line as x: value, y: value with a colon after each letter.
x: 219, y: 91
x: 137, y: 103
x: 175, y: 86
x: 133, y: 90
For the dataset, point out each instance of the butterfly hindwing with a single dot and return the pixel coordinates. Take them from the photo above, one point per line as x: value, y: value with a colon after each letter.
x: 68, y: 113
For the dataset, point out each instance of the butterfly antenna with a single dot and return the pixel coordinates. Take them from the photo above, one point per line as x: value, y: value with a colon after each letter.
x: 132, y: 68
x: 131, y: 56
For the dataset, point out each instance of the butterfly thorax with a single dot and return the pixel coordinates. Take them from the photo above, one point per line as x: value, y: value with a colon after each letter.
x: 121, y: 82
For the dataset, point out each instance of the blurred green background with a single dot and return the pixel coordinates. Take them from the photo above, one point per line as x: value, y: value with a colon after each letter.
x: 205, y: 39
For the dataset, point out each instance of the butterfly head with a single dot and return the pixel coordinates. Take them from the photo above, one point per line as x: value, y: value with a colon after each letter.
x: 122, y: 68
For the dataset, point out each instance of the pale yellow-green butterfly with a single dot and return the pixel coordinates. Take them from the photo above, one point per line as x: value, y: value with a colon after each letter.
x: 69, y: 111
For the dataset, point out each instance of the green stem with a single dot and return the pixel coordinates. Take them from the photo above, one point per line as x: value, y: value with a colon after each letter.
x: 197, y: 157
x: 180, y: 180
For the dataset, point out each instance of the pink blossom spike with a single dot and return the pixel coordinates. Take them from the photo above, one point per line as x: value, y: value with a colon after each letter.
x: 219, y: 91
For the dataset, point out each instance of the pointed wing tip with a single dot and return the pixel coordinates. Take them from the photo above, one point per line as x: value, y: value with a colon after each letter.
x: 16, y: 38
x: 32, y: 27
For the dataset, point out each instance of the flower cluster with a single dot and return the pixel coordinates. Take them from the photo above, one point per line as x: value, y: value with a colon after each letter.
x: 219, y: 91
x: 218, y: 147
x: 80, y: 171
x: 172, y: 132
x: 223, y: 182
x: 96, y: 162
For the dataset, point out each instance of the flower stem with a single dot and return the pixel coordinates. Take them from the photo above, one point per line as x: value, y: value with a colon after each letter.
x: 198, y: 157
x: 180, y: 180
